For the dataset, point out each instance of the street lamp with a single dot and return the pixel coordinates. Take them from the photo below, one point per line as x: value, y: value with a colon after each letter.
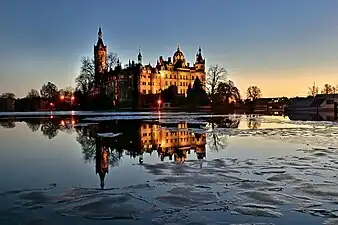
x: 159, y: 103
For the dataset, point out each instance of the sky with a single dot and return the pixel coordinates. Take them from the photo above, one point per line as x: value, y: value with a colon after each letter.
x: 282, y: 47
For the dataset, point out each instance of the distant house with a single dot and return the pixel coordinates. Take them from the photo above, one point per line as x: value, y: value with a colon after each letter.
x: 7, y: 104
x: 321, y: 104
x: 299, y: 104
x: 324, y: 102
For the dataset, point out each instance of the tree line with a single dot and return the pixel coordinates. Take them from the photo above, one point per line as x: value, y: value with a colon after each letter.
x: 326, y: 89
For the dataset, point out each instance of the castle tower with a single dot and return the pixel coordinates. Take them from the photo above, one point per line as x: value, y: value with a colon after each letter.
x: 139, y: 57
x: 100, y: 55
x: 200, y: 62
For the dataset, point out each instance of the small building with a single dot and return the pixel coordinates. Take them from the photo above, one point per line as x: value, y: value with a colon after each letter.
x: 321, y: 104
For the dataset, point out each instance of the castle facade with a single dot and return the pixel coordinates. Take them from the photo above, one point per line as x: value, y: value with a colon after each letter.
x: 150, y: 80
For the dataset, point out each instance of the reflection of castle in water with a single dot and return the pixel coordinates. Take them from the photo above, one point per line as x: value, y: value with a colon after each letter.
x: 102, y: 160
x: 175, y: 141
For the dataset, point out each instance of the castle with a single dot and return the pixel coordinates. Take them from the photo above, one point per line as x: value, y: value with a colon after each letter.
x: 150, y: 80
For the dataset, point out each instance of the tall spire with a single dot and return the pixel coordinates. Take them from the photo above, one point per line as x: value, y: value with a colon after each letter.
x: 99, y: 34
x: 139, y: 57
x: 178, y: 46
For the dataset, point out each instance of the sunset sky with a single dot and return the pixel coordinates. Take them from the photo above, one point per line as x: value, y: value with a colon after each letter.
x: 280, y: 46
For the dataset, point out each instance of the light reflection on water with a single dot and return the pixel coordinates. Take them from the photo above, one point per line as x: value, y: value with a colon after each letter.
x: 67, y: 170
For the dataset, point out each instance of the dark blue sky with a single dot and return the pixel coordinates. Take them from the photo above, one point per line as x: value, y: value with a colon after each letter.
x: 259, y: 41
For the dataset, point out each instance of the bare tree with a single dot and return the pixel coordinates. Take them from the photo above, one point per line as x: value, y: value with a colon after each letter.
x: 313, y: 90
x: 7, y: 95
x: 33, y: 94
x: 216, y: 75
x: 112, y: 61
x: 253, y: 93
x: 85, y: 80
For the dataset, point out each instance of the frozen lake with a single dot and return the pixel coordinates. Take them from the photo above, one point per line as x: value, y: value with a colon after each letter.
x: 168, y: 168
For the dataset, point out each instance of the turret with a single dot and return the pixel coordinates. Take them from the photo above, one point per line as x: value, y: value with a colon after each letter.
x: 139, y: 57
x: 200, y: 62
x: 100, y: 54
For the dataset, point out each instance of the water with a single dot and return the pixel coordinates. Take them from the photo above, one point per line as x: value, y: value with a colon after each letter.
x: 167, y: 168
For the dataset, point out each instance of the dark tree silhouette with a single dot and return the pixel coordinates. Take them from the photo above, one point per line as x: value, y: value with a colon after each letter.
x: 8, y: 124
x: 33, y: 125
x: 227, y: 92
x: 7, y: 95
x: 49, y: 129
x: 253, y: 93
x: 215, y: 142
x: 33, y: 94
x: 328, y: 89
x: 85, y: 80
x: 216, y: 74
x: 49, y: 91
x: 67, y: 91
x: 196, y: 96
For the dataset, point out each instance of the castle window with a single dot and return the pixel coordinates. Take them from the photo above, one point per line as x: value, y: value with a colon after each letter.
x: 149, y: 91
x: 175, y: 83
x: 170, y: 76
x: 166, y: 76
x: 180, y: 83
x: 192, y: 78
x: 180, y: 76
x: 170, y: 83
x: 149, y: 83
x: 175, y: 76
x: 144, y: 92
x: 166, y: 83
x: 149, y: 76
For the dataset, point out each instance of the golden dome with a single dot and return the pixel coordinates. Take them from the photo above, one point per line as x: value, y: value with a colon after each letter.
x: 179, y: 56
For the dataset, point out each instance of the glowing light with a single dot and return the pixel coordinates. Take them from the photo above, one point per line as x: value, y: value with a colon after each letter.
x: 159, y: 101
x: 62, y: 122
x: 72, y: 98
x: 62, y: 97
x: 51, y: 104
x: 73, y: 122
x: 73, y: 112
